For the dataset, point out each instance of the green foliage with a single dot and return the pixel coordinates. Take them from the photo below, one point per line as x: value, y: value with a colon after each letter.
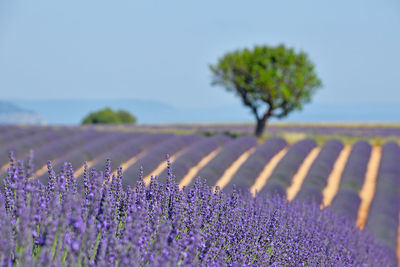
x: 125, y: 116
x: 232, y: 135
x: 108, y: 116
x: 271, y: 81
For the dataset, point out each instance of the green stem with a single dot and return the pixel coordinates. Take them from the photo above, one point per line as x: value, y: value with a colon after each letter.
x: 96, y: 245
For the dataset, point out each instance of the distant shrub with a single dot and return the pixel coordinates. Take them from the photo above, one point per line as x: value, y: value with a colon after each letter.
x: 232, y: 134
x: 108, y: 116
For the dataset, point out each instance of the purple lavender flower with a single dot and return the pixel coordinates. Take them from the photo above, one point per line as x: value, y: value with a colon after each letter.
x: 105, y: 225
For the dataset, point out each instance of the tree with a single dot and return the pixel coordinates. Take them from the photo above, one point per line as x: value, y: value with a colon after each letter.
x: 271, y: 81
x: 108, y: 116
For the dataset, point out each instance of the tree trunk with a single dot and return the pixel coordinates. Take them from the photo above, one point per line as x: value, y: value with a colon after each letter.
x: 260, y: 127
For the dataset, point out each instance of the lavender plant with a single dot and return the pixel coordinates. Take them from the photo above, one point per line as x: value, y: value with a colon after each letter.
x: 104, y: 225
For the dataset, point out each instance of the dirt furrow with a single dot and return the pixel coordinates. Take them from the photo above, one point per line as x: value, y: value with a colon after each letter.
x: 368, y: 190
x: 194, y: 170
x: 267, y: 171
x: 163, y: 165
x: 301, y: 174
x: 229, y: 172
x: 332, y: 186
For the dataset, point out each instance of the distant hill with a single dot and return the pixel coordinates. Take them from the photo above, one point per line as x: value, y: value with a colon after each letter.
x: 71, y: 111
x: 13, y: 114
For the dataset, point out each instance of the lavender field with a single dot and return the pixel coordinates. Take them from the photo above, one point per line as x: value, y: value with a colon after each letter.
x: 329, y: 129
x: 66, y: 199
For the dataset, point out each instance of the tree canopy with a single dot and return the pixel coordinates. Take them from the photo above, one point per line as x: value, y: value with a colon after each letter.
x: 271, y: 81
x: 108, y: 116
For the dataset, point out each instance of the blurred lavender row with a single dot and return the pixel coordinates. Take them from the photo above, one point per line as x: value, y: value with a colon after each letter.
x: 125, y: 151
x: 347, y: 200
x: 35, y: 140
x: 45, y: 142
x: 57, y: 148
x: 383, y: 217
x: 15, y: 133
x: 283, y: 173
x: 6, y: 128
x: 247, y: 174
x: 317, y: 177
x: 157, y: 155
x: 92, y: 149
x: 229, y: 154
x: 193, y: 156
x: 353, y: 175
x: 335, y: 130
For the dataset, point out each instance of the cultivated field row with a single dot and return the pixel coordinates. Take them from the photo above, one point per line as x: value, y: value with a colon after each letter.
x: 361, y: 182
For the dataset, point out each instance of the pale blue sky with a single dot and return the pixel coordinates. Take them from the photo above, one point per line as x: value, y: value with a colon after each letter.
x: 160, y: 50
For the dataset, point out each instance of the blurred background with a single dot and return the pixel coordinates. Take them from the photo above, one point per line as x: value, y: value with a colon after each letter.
x: 60, y: 61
